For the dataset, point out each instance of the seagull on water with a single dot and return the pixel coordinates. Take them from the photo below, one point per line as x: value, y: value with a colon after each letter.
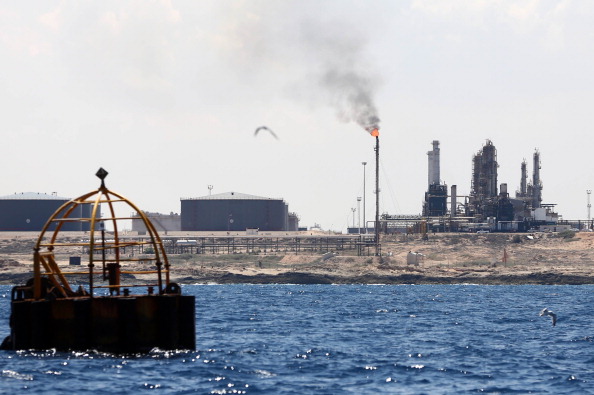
x: 546, y: 311
x: 265, y: 128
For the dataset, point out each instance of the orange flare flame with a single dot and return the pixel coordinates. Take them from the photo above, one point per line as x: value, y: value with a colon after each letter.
x: 375, y: 132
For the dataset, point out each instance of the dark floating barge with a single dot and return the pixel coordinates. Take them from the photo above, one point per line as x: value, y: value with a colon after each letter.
x: 100, y: 312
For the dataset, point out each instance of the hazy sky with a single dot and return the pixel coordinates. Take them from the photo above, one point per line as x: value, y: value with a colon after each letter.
x: 166, y: 96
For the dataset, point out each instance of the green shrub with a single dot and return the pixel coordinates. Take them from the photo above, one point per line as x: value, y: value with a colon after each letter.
x: 567, y: 234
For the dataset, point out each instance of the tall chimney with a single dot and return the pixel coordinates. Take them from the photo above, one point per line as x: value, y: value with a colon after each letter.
x: 434, y: 164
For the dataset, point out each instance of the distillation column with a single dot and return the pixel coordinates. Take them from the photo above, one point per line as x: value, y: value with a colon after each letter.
x: 523, y: 188
x: 453, y: 201
x: 536, y: 183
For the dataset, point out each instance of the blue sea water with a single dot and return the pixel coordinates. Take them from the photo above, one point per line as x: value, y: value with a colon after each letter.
x: 353, y: 339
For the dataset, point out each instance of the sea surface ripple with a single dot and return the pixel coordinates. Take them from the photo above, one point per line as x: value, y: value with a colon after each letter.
x: 352, y: 339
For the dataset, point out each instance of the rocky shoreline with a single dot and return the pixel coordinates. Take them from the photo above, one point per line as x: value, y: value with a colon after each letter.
x: 309, y: 278
x: 446, y: 259
x: 549, y: 278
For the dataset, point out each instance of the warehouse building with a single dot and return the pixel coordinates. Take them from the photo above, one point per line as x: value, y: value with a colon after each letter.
x: 232, y: 211
x: 29, y: 212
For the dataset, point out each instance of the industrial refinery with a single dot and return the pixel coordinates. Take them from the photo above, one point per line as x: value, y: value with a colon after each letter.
x: 488, y: 206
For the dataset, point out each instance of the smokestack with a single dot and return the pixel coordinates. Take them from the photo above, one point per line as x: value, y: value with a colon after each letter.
x: 434, y: 164
x: 453, y: 201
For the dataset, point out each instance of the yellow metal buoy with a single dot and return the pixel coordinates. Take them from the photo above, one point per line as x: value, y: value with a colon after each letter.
x: 65, y: 309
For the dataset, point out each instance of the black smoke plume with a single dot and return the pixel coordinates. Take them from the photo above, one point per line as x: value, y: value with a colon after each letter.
x: 352, y: 96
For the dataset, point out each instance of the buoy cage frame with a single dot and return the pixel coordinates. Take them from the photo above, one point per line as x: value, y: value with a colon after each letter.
x: 98, y: 248
x: 48, y: 313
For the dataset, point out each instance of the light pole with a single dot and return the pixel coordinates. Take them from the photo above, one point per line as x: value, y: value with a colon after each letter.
x: 353, y: 210
x: 364, y: 223
x: 209, y: 190
x: 589, y: 192
x: 359, y: 214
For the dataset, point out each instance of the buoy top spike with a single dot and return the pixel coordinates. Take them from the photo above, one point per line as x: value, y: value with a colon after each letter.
x: 102, y: 173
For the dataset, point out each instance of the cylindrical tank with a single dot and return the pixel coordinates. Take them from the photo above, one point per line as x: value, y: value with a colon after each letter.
x: 29, y: 211
x: 234, y: 212
x: 453, y: 200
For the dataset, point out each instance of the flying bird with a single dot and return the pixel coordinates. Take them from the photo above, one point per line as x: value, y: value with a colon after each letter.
x: 265, y: 128
x: 546, y: 311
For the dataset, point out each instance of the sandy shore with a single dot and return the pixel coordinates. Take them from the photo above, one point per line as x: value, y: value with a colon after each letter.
x: 540, y: 258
